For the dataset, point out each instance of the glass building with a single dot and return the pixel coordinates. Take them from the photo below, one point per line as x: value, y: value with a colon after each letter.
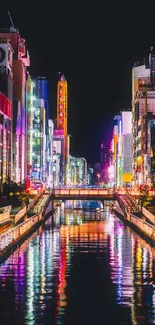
x: 38, y: 142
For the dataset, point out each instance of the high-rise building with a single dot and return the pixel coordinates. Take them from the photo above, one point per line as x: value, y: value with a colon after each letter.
x: 90, y: 176
x: 125, y: 147
x: 104, y: 152
x: 21, y: 61
x: 115, y: 148
x: 49, y: 153
x: 57, y: 158
x: 16, y: 136
x: 143, y: 104
x: 58, y: 165
x: 5, y: 140
x: 41, y: 92
x: 62, y: 122
x: 6, y: 69
x: 6, y: 98
x: 77, y: 173
x: 29, y: 123
x: 150, y: 171
x: 38, y: 143
x: 122, y: 150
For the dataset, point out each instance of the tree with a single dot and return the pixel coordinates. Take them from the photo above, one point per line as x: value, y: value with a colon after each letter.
x: 145, y: 197
x: 24, y: 198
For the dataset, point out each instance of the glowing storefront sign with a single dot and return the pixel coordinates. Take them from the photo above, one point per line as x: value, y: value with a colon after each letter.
x: 62, y: 105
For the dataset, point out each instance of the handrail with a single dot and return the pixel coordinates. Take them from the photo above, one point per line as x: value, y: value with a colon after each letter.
x: 83, y: 191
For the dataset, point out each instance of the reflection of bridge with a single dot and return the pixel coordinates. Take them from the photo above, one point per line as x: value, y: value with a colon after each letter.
x: 88, y: 194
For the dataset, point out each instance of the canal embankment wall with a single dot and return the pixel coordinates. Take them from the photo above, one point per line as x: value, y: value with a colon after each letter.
x: 142, y: 227
x: 12, y: 238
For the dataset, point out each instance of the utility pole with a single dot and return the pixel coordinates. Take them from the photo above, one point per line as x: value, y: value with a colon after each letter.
x: 12, y: 24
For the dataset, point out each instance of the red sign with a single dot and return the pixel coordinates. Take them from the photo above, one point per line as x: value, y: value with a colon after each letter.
x: 5, y: 106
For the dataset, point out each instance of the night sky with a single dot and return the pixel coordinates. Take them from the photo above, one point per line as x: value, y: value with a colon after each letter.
x: 95, y: 45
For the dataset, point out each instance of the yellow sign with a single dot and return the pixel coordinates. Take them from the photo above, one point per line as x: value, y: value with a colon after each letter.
x: 127, y: 177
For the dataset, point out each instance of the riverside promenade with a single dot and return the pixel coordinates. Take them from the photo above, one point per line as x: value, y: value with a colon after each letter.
x: 22, y: 225
x: 137, y: 217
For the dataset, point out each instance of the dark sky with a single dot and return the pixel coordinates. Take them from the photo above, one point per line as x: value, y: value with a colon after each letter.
x: 95, y: 44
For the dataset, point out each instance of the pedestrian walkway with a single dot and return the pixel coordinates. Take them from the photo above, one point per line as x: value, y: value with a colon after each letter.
x: 41, y: 203
x: 36, y: 209
x: 16, y: 209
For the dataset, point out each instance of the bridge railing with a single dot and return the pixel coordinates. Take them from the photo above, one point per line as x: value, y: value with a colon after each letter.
x: 80, y: 192
x: 94, y: 191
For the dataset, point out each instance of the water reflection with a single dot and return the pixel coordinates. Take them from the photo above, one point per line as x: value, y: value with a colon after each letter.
x: 88, y: 264
x: 132, y: 271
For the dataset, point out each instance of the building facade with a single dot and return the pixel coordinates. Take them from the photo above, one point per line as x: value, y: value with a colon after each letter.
x: 49, y: 155
x: 62, y: 122
x: 5, y: 140
x: 143, y: 107
x: 21, y: 61
x: 77, y: 173
x: 29, y: 131
x: 38, y: 143
x: 120, y: 172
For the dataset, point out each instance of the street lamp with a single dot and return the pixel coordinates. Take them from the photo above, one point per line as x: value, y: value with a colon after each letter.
x: 98, y: 178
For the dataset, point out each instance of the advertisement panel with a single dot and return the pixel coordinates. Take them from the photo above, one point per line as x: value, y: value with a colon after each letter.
x: 57, y: 147
x: 126, y: 122
x: 58, y: 133
x: 5, y: 106
x: 127, y: 177
x: 6, y: 55
x: 62, y: 105
x: 144, y: 82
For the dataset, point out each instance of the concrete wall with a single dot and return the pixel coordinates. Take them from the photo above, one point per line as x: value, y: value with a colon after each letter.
x: 143, y: 226
x: 4, y: 216
x: 148, y: 215
x: 19, y: 215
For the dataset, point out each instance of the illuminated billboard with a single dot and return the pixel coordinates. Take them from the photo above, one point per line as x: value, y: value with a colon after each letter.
x: 57, y: 147
x: 144, y: 82
x: 62, y: 105
x: 126, y: 123
x: 58, y: 133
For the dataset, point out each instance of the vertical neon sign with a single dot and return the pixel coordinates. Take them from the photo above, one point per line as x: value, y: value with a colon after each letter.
x: 62, y: 105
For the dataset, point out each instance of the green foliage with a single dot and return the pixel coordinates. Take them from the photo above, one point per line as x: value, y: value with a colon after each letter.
x: 23, y: 197
x: 145, y: 197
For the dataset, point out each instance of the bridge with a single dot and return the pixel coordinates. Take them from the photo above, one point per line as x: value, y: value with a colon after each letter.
x: 87, y: 194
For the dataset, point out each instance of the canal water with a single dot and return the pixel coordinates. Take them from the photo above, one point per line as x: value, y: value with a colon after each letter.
x: 85, y: 267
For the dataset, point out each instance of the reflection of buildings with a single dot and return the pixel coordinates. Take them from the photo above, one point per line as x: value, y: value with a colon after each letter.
x: 86, y: 232
x: 62, y: 298
x: 131, y: 262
